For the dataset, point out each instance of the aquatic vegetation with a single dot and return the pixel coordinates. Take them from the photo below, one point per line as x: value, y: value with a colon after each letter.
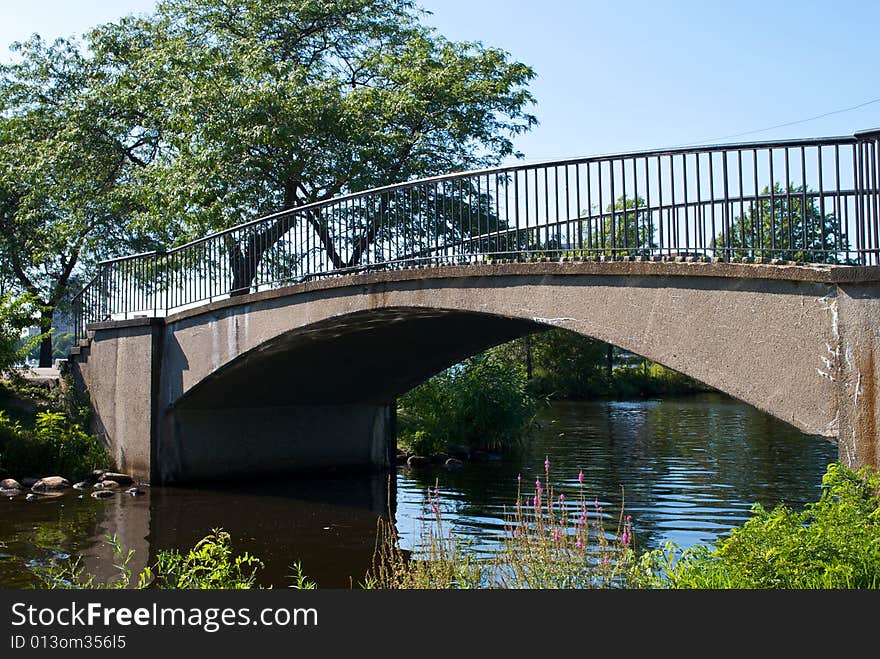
x: 548, y: 543
x: 832, y: 543
x: 210, y: 564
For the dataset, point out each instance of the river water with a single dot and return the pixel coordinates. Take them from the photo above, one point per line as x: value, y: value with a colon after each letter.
x: 685, y: 469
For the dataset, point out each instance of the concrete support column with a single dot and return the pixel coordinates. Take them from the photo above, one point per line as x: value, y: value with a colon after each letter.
x: 120, y: 370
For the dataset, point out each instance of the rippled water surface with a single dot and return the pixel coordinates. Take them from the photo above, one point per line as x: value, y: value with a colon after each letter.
x: 685, y: 469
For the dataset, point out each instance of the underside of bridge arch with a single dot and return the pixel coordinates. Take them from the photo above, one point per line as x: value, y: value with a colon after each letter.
x: 365, y: 357
x: 322, y: 395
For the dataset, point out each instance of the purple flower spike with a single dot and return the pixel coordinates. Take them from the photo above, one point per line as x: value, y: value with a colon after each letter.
x: 581, y: 477
x: 547, y: 463
x: 624, y: 539
x: 561, y: 498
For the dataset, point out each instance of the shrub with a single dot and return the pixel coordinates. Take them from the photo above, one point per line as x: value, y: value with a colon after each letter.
x: 482, y: 404
x: 55, y: 446
x: 16, y: 313
x: 832, y: 543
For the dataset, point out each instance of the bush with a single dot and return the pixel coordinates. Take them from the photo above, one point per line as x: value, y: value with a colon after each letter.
x: 833, y: 543
x: 55, y: 446
x: 481, y: 403
x: 16, y: 313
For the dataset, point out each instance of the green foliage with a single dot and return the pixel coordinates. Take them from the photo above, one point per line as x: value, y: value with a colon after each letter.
x: 567, y: 365
x: 832, y: 543
x: 69, y: 155
x: 210, y: 564
x: 55, y: 446
x: 650, y: 380
x: 264, y: 105
x: 481, y: 403
x: 628, y: 229
x: 16, y: 313
x: 62, y: 343
x: 785, y: 225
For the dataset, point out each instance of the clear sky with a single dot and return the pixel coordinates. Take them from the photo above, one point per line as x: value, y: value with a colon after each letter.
x: 618, y: 76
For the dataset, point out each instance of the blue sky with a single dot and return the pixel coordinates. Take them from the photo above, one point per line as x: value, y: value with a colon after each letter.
x: 636, y: 75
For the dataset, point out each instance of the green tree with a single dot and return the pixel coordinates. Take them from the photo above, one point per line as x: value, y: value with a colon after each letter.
x: 785, y: 224
x: 267, y: 105
x: 16, y: 313
x: 561, y: 363
x: 68, y: 159
x: 626, y: 230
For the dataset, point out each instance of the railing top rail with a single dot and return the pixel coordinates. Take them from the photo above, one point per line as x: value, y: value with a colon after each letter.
x: 868, y: 134
x: 129, y: 257
x: 734, y: 146
x: 85, y: 288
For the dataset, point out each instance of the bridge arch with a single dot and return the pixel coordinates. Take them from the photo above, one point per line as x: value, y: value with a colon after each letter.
x: 306, y: 376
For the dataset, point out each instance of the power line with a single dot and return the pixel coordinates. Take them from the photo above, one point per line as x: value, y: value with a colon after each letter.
x: 785, y: 125
x: 538, y: 159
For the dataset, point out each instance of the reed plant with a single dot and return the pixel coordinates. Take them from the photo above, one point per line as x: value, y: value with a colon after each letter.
x: 548, y: 542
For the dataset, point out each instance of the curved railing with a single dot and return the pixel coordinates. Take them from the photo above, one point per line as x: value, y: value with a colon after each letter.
x: 811, y: 201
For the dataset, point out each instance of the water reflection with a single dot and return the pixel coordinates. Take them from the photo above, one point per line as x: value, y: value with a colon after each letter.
x: 328, y: 524
x: 685, y: 469
x: 688, y: 470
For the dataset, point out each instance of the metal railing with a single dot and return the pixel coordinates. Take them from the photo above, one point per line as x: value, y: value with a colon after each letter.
x: 809, y: 201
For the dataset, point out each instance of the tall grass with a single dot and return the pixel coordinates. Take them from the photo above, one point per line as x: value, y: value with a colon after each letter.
x: 547, y: 543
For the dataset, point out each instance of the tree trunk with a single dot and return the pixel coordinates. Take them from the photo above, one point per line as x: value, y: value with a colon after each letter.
x: 609, y: 361
x: 528, y: 342
x: 243, y: 273
x: 46, y: 343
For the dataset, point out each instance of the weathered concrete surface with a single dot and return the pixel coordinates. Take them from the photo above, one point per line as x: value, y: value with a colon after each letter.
x: 858, y: 359
x: 120, y: 371
x: 768, y: 335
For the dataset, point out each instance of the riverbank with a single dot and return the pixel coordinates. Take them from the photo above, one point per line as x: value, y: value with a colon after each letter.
x: 43, y: 443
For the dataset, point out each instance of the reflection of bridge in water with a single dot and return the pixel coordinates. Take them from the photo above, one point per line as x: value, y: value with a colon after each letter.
x: 282, y: 343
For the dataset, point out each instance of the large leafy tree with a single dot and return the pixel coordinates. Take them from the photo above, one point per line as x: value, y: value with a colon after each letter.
x: 267, y: 105
x: 785, y: 223
x: 69, y: 153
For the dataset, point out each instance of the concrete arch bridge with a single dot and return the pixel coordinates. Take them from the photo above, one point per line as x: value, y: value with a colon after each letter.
x: 283, y: 343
